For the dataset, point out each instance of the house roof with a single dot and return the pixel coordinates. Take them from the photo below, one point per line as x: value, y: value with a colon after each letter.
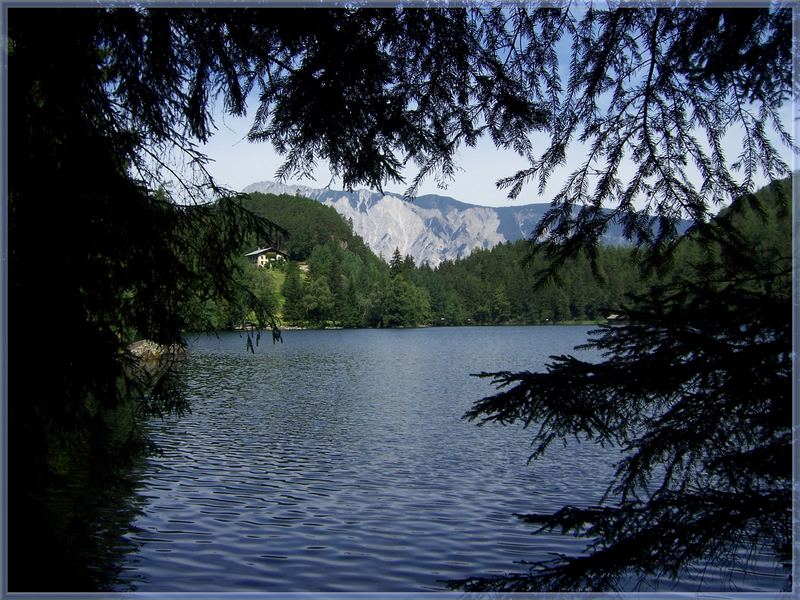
x: 265, y: 250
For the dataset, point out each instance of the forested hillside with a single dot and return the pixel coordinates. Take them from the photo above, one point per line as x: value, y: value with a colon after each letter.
x: 310, y: 224
x: 333, y: 279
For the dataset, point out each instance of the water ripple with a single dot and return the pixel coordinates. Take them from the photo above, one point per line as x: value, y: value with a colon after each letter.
x: 338, y: 461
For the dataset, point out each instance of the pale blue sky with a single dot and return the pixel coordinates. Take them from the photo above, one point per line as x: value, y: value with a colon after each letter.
x: 238, y: 162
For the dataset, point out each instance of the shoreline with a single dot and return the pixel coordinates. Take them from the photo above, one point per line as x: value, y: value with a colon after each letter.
x: 241, y: 329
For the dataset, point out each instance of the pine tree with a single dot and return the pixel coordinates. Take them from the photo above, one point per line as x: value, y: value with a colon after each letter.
x: 396, y: 263
x: 695, y: 391
x: 293, y: 293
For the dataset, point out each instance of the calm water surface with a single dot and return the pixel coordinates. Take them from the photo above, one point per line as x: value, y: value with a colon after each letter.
x: 338, y: 461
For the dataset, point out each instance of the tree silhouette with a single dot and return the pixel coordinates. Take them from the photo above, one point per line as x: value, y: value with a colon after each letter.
x: 695, y: 392
x: 106, y: 105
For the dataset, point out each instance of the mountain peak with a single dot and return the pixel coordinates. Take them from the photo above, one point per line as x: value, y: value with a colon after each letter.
x: 431, y: 228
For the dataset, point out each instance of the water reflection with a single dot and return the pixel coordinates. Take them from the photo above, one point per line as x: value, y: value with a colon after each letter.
x: 84, y: 539
x: 338, y: 461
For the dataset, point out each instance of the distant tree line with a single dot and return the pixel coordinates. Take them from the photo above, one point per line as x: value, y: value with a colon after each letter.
x: 333, y: 279
x: 497, y: 286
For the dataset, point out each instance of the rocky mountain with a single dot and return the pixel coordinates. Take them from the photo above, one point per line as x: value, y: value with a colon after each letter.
x: 432, y: 228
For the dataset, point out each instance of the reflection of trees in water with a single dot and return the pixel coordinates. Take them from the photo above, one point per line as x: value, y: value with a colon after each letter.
x: 83, y: 542
x: 70, y: 524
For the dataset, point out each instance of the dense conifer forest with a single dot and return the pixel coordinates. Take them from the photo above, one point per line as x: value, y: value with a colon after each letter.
x: 332, y: 279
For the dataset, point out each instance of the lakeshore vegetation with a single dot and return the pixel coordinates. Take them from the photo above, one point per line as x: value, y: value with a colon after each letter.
x: 332, y: 279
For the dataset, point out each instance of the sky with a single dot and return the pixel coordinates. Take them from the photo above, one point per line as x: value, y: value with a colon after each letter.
x: 238, y: 163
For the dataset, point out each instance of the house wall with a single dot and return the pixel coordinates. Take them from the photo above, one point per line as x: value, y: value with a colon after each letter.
x: 262, y: 260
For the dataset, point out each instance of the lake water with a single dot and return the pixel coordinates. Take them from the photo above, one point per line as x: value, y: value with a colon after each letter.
x: 339, y: 461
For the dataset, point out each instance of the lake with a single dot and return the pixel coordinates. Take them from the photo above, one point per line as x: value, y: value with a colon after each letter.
x: 339, y: 461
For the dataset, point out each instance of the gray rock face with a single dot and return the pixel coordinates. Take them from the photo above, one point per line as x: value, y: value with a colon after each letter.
x: 432, y: 228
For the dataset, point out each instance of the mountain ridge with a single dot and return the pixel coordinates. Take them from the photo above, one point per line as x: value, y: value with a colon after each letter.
x: 431, y: 228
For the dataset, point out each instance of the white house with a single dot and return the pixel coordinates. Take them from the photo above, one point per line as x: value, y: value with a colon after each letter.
x: 266, y: 257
